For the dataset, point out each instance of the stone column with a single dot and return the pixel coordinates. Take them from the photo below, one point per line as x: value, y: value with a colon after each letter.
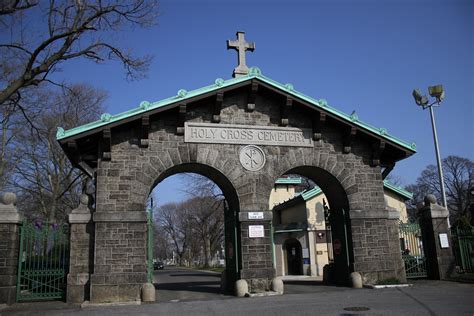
x: 256, y: 247
x: 81, y: 252
x: 10, y: 221
x: 435, y: 233
x: 119, y: 256
x: 376, y: 244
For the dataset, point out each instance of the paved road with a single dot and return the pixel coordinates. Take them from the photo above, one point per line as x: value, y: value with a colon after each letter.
x: 177, y: 284
x: 424, y: 298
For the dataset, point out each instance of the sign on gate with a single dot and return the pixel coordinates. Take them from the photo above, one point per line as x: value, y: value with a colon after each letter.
x: 256, y: 231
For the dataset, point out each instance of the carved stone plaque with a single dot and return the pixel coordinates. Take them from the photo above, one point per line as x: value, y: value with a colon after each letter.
x: 252, y: 158
x: 243, y: 134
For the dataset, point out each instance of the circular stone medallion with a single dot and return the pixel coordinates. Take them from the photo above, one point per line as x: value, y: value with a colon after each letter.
x: 252, y: 158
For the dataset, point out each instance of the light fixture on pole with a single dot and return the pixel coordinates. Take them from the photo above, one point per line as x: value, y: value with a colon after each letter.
x: 436, y: 92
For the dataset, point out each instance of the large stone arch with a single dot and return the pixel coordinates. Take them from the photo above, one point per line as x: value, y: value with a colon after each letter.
x: 128, y: 153
x: 212, y: 173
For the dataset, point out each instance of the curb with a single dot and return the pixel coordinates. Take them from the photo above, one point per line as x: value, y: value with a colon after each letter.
x: 375, y: 286
x: 88, y: 304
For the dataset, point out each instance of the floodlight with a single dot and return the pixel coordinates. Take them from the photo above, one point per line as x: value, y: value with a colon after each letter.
x: 437, y: 92
x: 420, y: 99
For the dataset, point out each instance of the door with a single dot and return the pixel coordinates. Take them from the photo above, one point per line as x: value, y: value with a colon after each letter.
x: 294, y: 257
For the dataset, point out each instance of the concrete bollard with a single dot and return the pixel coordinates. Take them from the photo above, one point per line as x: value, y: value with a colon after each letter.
x: 148, y: 292
x: 356, y: 280
x: 277, y: 285
x: 241, y: 288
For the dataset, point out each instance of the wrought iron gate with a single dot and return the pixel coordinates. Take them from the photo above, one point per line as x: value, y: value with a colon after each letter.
x: 43, y: 261
x: 463, y: 244
x: 150, y: 243
x: 412, y: 250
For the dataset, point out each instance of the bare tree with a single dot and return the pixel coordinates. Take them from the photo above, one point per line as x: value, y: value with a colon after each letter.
x: 49, y: 185
x: 40, y: 36
x: 173, y: 219
x: 207, y: 216
x: 458, y: 178
x: 12, y: 6
x: 9, y: 127
x: 207, y: 213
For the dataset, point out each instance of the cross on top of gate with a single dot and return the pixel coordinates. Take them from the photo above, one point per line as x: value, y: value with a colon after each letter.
x: 240, y: 45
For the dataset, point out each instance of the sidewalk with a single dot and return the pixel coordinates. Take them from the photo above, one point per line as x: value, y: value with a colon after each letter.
x: 424, y: 298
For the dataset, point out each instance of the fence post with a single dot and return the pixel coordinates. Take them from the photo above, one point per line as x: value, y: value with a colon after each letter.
x: 436, y: 238
x: 81, y: 252
x: 10, y: 222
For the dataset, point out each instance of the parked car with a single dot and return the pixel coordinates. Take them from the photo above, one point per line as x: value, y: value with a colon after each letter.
x: 158, y: 265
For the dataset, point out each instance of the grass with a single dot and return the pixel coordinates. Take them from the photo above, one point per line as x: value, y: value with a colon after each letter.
x: 388, y: 281
x: 213, y: 269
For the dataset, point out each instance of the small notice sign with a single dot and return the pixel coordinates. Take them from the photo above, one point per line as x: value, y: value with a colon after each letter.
x: 256, y: 231
x: 443, y: 240
x: 255, y: 215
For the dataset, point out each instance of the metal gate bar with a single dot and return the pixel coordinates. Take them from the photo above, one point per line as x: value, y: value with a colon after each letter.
x: 412, y: 250
x: 43, y: 261
x: 463, y: 244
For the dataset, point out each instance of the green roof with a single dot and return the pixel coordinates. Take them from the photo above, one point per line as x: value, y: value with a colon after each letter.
x: 311, y: 193
x: 308, y: 194
x: 288, y: 181
x: 219, y: 83
x: 398, y: 190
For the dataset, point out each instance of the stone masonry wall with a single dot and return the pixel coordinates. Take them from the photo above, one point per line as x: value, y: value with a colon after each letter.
x: 120, y: 261
x: 376, y: 251
x: 123, y: 184
x: 9, y: 251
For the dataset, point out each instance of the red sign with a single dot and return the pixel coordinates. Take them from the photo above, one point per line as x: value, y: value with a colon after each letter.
x: 337, y: 246
x: 230, y: 250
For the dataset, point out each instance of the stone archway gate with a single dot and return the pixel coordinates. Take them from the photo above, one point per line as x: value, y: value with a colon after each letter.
x: 243, y: 133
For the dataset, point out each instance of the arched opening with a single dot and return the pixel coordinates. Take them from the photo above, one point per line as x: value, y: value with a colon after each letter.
x: 194, y: 213
x: 294, y: 257
x: 310, y: 206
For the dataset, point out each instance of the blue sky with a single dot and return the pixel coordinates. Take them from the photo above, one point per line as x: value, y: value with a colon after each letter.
x: 365, y: 55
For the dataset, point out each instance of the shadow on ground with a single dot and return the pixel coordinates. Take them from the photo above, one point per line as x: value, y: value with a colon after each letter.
x: 203, y: 287
x: 207, y: 275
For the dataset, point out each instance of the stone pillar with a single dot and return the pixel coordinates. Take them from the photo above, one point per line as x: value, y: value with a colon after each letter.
x: 10, y: 220
x: 256, y: 248
x: 376, y: 245
x: 119, y: 257
x: 436, y: 238
x: 81, y: 252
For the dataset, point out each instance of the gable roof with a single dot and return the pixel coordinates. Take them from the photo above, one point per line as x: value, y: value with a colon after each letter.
x: 308, y: 194
x: 397, y: 190
x: 107, y: 120
x: 289, y: 180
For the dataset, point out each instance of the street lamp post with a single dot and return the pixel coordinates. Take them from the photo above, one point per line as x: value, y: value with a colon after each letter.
x: 422, y: 100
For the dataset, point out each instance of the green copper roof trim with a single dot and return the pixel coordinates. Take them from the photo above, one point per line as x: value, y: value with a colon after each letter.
x: 397, y: 189
x: 288, y: 181
x: 219, y: 83
x: 308, y: 194
x: 288, y: 230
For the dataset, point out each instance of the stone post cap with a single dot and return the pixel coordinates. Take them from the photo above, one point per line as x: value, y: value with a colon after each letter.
x: 8, y: 211
x: 432, y: 209
x: 81, y: 214
x: 430, y: 199
x: 8, y: 198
